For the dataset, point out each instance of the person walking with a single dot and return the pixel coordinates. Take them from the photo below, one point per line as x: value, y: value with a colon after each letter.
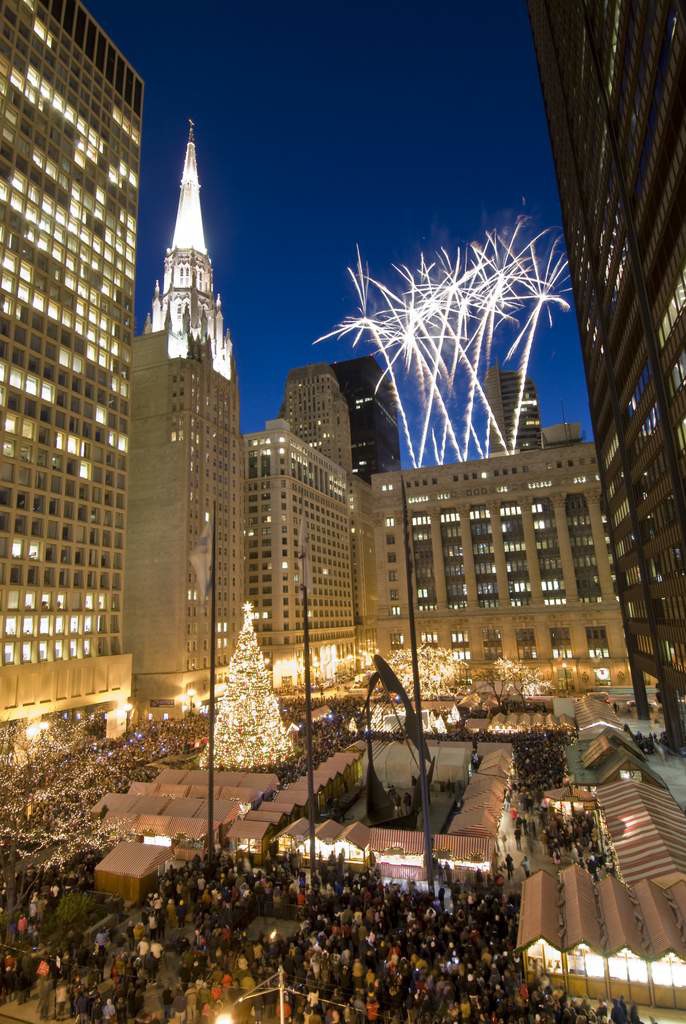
x: 526, y: 868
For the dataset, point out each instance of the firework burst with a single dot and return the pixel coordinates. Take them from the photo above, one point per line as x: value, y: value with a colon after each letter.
x: 443, y: 324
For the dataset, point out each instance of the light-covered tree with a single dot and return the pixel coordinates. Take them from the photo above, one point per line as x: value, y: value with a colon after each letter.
x: 249, y: 732
x: 511, y: 680
x: 50, y: 778
x: 438, y: 671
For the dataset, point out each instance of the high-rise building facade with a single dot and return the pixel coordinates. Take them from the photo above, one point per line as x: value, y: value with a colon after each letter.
x: 374, y: 436
x: 335, y: 410
x: 511, y: 560
x: 287, y: 478
x: 514, y: 404
x: 71, y: 108
x: 185, y: 461
x: 318, y: 413
x: 612, y: 77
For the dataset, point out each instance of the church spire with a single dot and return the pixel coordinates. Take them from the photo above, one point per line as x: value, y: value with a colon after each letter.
x: 188, y: 232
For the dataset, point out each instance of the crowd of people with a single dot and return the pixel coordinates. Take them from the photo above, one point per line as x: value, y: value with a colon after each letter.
x: 355, y: 949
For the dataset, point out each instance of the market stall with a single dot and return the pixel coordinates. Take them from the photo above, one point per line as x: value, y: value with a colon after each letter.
x: 646, y: 829
x: 605, y: 940
x: 570, y: 799
x: 251, y: 837
x: 131, y: 870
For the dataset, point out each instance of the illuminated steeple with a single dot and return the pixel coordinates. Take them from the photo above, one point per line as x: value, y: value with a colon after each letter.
x: 186, y: 306
x: 188, y: 233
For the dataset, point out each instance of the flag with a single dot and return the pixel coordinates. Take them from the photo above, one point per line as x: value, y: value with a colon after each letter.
x: 201, y: 560
x: 305, y: 555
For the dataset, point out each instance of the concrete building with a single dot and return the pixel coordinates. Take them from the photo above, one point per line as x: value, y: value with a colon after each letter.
x: 317, y: 412
x: 514, y: 405
x: 286, y: 477
x: 186, y: 457
x: 511, y: 560
x: 71, y: 124
x: 612, y: 78
x: 374, y: 436
x: 335, y: 410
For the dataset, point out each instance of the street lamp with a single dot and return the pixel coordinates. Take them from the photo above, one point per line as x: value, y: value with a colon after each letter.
x: 190, y: 693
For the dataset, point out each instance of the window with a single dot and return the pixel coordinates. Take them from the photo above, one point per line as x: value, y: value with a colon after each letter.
x: 460, y: 644
x: 526, y: 644
x: 397, y: 640
x: 430, y: 638
x: 493, y: 644
x: 560, y: 642
x: 596, y: 639
x: 395, y: 611
x: 390, y: 521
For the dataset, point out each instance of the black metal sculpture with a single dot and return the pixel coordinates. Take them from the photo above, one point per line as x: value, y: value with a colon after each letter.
x: 380, y: 806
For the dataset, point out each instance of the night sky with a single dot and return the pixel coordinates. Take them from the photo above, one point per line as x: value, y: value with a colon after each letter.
x: 398, y: 126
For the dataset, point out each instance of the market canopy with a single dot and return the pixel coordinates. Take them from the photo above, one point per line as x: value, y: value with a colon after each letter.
x: 647, y: 828
x: 590, y: 712
x: 245, y: 828
x: 134, y: 860
x: 571, y: 910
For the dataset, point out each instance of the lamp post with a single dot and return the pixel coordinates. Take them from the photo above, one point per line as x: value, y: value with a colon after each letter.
x: 190, y: 693
x: 128, y: 708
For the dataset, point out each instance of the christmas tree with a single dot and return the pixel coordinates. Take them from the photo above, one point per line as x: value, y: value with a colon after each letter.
x: 248, y: 732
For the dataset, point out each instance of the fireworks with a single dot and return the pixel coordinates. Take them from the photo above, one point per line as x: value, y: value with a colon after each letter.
x: 437, y: 333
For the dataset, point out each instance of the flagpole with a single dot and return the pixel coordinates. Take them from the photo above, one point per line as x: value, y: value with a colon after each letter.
x: 213, y: 669
x: 308, y: 732
x: 423, y: 781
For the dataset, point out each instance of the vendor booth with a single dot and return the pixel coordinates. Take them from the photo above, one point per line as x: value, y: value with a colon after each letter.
x: 131, y: 870
x: 646, y: 829
x: 605, y: 940
x: 251, y: 837
x: 331, y: 840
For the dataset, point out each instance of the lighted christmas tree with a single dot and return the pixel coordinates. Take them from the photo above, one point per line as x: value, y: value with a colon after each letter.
x: 249, y: 733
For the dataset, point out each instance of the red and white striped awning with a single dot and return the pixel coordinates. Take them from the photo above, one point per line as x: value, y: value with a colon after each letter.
x: 395, y: 840
x: 464, y: 849
x: 647, y: 827
x: 406, y: 871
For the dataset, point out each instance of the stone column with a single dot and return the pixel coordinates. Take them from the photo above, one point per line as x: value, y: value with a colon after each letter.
x: 468, y: 556
x: 532, y: 554
x: 600, y: 545
x: 439, y: 564
x: 566, y: 557
x: 499, y: 556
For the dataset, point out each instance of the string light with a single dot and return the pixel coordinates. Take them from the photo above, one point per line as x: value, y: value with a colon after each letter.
x: 438, y: 671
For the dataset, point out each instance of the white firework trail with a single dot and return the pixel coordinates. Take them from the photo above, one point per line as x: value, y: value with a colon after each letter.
x: 446, y: 322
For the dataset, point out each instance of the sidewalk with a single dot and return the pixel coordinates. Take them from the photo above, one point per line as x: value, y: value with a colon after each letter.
x: 669, y: 767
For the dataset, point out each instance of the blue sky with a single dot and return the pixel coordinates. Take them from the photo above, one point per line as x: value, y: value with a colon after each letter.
x: 395, y: 126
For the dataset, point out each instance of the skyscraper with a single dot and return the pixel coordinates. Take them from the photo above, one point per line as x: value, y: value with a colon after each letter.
x: 516, y: 411
x: 612, y: 76
x: 287, y: 478
x: 317, y: 412
x: 374, y: 438
x: 71, y: 124
x: 186, y: 458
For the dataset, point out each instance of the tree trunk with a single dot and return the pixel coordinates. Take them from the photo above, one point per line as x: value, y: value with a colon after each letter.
x: 10, y: 875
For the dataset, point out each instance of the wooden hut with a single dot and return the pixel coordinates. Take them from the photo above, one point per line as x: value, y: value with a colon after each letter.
x: 131, y: 870
x: 607, y: 939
